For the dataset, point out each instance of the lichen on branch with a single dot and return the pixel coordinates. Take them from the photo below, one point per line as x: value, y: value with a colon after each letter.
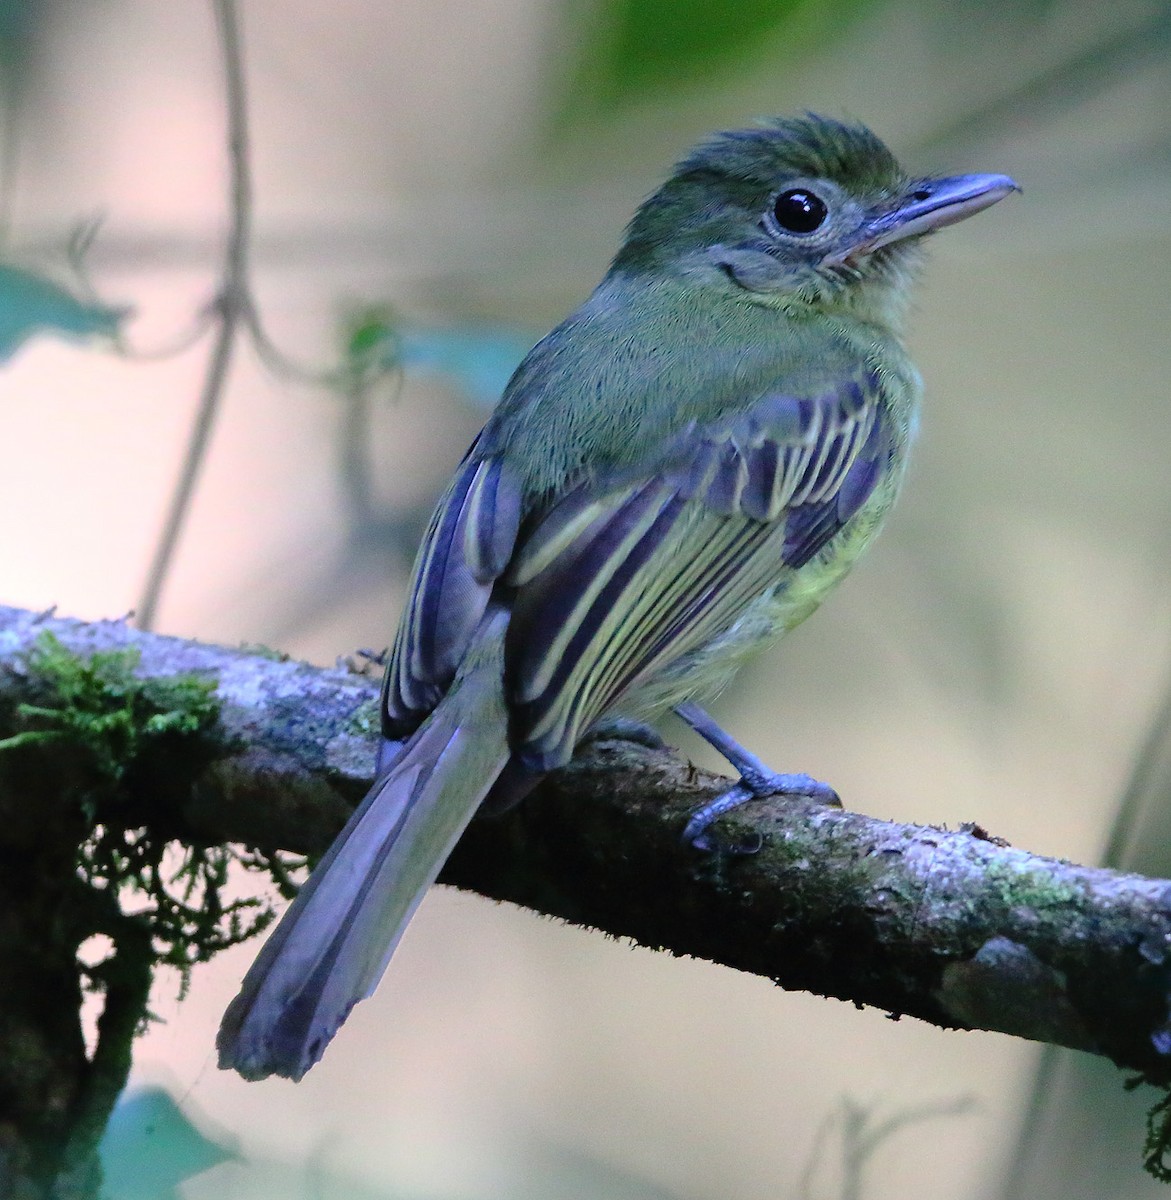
x: 951, y: 926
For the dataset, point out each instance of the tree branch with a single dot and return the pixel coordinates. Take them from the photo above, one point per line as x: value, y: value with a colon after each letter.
x: 950, y: 926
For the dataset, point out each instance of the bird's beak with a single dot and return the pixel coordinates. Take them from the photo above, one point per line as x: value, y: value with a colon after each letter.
x: 930, y: 204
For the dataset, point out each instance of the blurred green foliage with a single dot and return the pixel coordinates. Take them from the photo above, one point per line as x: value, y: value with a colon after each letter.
x: 150, y: 1147
x: 633, y: 47
x: 21, y: 27
x: 31, y: 304
x: 477, y: 360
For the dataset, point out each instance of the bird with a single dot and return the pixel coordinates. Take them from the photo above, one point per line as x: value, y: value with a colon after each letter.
x: 674, y: 477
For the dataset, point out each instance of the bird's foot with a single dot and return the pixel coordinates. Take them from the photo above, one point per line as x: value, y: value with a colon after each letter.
x: 756, y: 782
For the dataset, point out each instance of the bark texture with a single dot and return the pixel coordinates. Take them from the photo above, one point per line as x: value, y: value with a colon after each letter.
x: 953, y: 927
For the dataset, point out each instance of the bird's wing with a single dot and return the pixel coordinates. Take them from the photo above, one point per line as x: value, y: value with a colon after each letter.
x: 465, y: 549
x: 628, y: 574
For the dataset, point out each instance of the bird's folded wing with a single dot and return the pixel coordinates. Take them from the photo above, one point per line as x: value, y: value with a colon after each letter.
x: 466, y: 547
x: 627, y: 574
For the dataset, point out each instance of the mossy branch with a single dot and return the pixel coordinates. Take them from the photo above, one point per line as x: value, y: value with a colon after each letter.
x: 953, y: 927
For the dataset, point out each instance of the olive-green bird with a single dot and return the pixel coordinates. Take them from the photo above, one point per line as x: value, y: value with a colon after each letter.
x: 674, y: 477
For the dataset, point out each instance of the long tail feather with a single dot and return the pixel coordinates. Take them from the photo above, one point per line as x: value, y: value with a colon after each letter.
x: 332, y: 945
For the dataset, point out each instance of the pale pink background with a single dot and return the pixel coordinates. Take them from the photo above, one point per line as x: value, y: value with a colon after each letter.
x: 394, y: 156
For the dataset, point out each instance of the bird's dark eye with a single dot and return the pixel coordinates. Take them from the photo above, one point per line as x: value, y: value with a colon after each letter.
x: 800, y: 211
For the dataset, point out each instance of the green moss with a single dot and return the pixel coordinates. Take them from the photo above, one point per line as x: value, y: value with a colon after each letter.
x: 1035, y: 890
x: 260, y: 650
x: 365, y: 720
x: 1157, y: 1147
x: 101, y: 705
x: 140, y: 744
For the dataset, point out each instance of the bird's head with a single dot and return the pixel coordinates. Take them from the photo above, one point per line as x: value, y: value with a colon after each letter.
x: 802, y: 211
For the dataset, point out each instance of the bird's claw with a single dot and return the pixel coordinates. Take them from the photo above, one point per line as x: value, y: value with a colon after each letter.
x: 772, y: 783
x: 754, y: 785
x: 756, y: 782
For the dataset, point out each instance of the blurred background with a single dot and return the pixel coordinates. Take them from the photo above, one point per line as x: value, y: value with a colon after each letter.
x: 442, y: 180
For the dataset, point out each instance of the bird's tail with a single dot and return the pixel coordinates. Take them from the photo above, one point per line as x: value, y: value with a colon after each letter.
x: 332, y: 945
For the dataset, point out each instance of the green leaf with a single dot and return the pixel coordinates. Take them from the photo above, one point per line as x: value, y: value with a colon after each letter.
x: 150, y: 1146
x: 479, y: 360
x: 370, y: 343
x: 635, y: 47
x: 31, y: 304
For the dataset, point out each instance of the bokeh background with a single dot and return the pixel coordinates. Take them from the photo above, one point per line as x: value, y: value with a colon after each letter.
x: 462, y: 171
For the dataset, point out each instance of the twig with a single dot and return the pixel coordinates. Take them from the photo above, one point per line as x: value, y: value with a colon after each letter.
x: 1058, y: 89
x: 232, y: 306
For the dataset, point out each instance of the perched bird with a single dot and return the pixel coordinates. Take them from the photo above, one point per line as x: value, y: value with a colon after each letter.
x: 675, y: 476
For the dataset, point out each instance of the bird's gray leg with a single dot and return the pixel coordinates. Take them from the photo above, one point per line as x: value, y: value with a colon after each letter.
x: 756, y: 779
